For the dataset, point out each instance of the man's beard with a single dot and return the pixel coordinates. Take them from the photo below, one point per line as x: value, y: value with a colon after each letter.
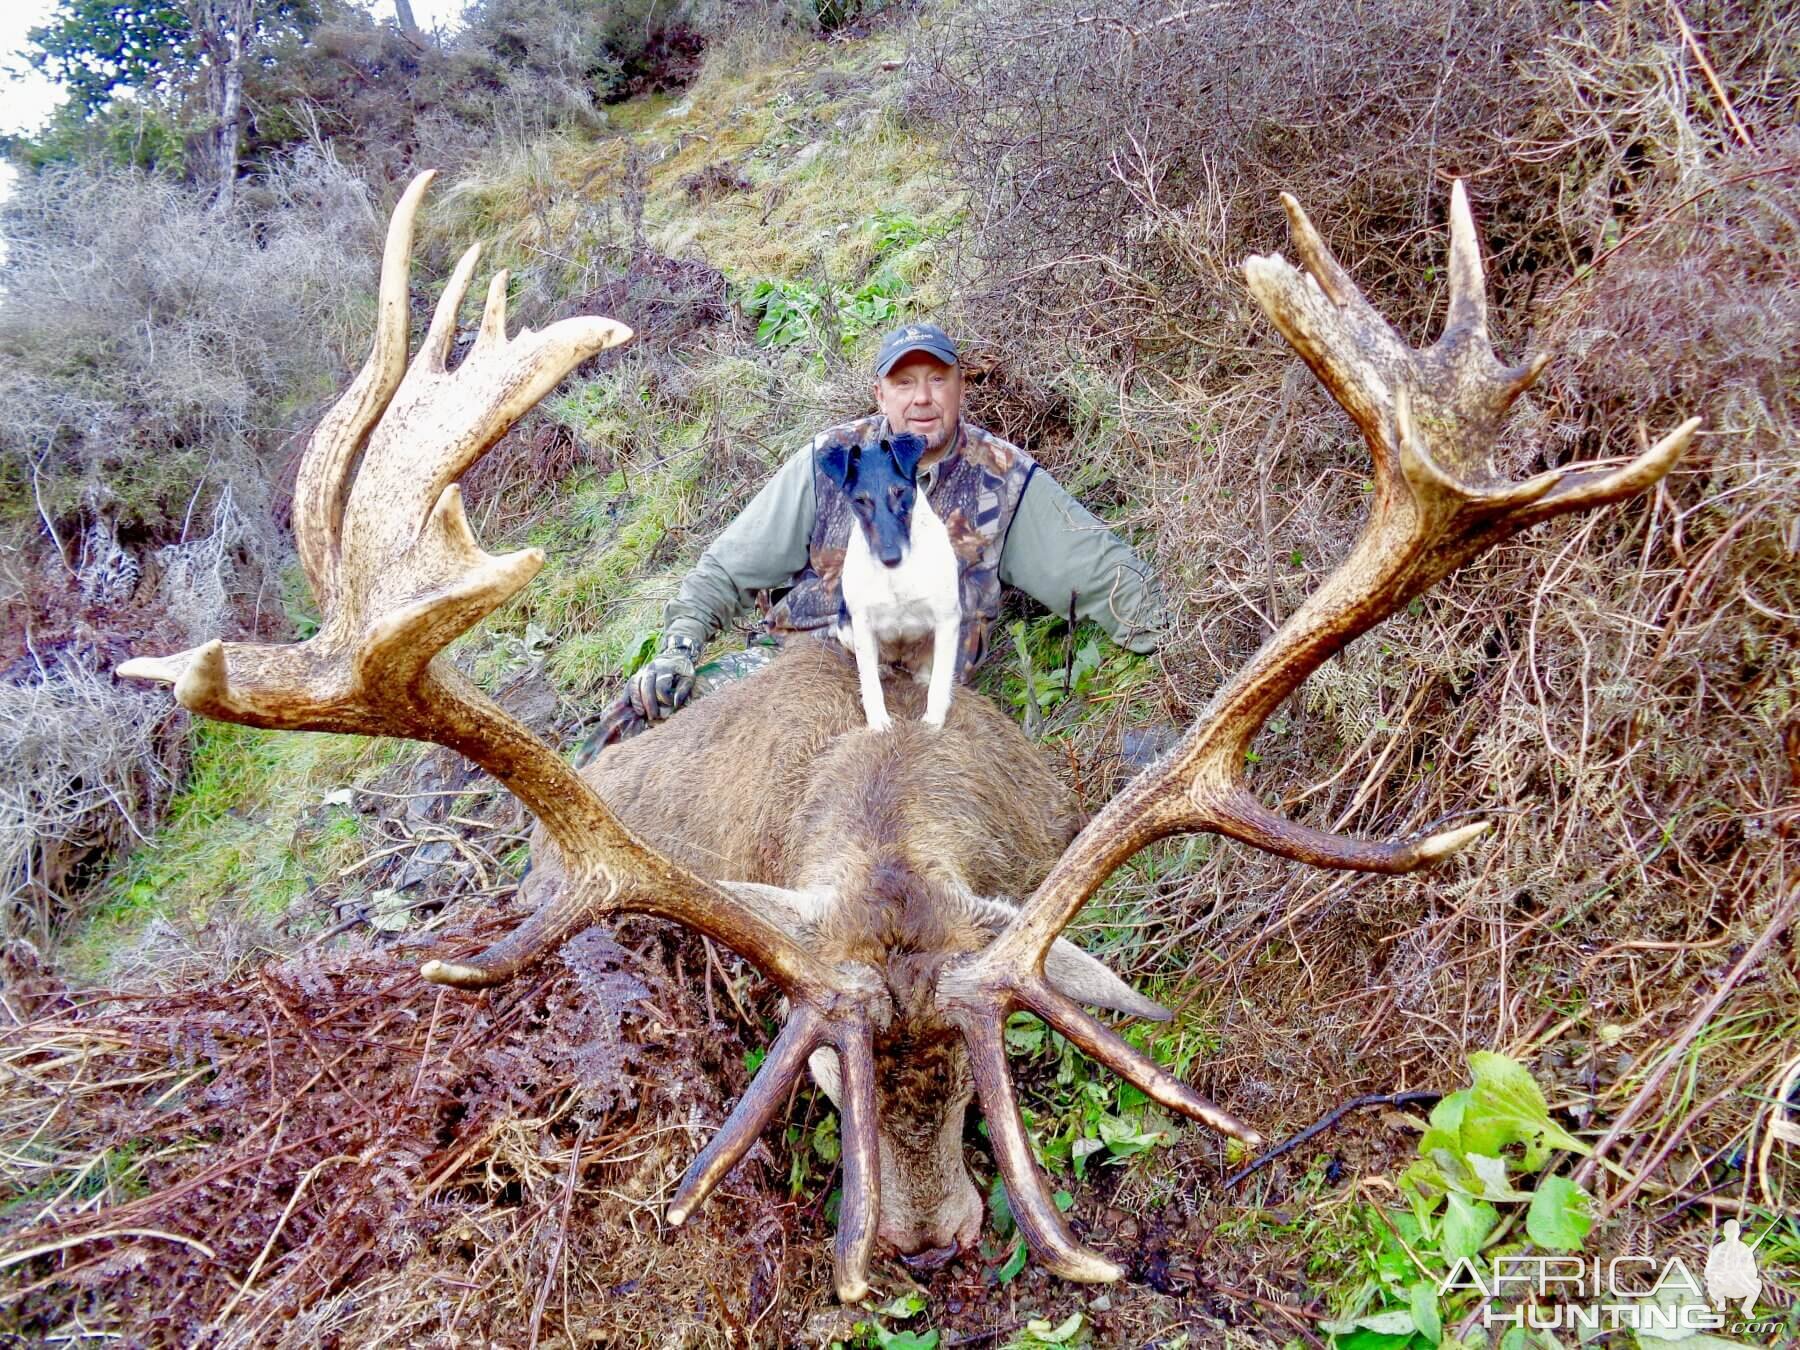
x: 942, y: 438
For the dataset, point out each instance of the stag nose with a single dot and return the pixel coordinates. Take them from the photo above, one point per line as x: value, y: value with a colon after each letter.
x: 931, y: 1260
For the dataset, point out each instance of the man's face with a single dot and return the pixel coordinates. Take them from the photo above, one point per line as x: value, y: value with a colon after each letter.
x: 923, y: 396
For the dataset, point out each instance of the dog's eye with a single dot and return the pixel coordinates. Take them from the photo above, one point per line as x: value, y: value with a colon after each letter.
x: 861, y: 505
x: 896, y: 497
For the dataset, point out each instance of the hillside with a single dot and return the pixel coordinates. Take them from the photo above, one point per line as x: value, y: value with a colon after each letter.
x: 236, y: 1116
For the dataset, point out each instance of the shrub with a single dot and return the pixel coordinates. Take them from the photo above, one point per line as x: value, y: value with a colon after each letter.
x: 149, y: 344
x: 85, y: 766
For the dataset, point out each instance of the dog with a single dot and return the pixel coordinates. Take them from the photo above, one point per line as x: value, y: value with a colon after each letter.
x: 900, y: 581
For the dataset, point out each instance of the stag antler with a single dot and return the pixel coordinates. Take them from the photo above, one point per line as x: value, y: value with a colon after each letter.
x: 1430, y: 419
x: 391, y: 558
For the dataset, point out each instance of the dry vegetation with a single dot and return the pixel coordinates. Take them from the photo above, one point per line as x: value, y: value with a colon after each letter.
x: 322, y: 1150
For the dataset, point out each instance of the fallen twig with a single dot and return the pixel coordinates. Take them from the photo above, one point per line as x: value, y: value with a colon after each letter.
x: 1326, y: 1121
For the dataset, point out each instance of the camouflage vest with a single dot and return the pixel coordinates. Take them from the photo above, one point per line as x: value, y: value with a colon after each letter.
x: 974, y: 489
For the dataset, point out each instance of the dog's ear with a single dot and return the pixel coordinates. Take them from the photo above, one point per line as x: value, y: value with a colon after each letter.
x: 839, y: 463
x: 907, y: 451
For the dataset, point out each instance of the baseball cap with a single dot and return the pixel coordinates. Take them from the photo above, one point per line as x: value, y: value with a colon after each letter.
x: 914, y: 337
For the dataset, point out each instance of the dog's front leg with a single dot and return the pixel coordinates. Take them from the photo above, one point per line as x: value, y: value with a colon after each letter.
x: 868, y: 673
x: 944, y: 643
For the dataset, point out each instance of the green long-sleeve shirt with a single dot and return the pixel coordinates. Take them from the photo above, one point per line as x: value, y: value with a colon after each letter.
x: 1055, y: 547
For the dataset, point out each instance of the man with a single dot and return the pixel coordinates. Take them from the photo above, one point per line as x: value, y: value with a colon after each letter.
x: 1009, y: 522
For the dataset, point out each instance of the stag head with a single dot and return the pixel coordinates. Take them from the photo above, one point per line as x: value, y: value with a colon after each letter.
x: 390, y: 555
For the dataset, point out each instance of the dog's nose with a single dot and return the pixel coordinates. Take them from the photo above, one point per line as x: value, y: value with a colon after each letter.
x: 893, y: 559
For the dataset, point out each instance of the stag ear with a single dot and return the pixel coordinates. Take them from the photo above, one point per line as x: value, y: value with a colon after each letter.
x: 839, y: 463
x: 796, y: 913
x: 1072, y: 972
x: 1088, y: 979
x: 906, y: 452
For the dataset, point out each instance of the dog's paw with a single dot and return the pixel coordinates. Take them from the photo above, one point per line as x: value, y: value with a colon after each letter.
x: 879, y: 720
x: 934, y: 720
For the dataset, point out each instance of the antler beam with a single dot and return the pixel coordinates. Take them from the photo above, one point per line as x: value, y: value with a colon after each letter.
x: 1430, y: 419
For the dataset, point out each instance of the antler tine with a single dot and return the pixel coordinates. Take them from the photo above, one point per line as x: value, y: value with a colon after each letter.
x: 806, y: 1030
x: 803, y: 1033
x: 1429, y: 418
x: 1468, y: 285
x: 493, y: 314
x: 1045, y: 1230
x: 324, y: 471
x: 861, y: 1203
x: 440, y: 338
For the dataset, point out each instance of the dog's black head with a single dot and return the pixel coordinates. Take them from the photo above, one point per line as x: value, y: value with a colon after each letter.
x: 881, y: 483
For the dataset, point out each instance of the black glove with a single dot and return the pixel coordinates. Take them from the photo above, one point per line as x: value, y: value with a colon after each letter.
x: 662, y: 684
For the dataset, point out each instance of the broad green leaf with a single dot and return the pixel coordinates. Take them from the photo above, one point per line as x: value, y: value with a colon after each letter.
x: 1559, y: 1217
x: 1491, y: 1172
x: 906, y: 1340
x: 1000, y: 1208
x: 1679, y: 1288
x: 1394, y: 1322
x: 825, y: 1139
x: 1041, y: 1329
x: 1394, y: 1263
x: 903, y: 1307
x: 1507, y: 1107
x: 1364, y: 1339
x: 389, y: 910
x: 1014, y: 1263
x: 1425, y: 1315
x: 1467, y: 1224
x: 1452, y: 1171
x: 1446, y: 1125
x: 1024, y: 1033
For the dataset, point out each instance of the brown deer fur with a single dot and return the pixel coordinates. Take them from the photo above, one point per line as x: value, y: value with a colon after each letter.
x: 777, y: 779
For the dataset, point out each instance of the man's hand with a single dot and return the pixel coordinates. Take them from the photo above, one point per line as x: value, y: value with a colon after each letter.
x: 661, y: 685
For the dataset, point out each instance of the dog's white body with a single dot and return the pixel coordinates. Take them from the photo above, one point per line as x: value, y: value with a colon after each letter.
x: 890, y: 606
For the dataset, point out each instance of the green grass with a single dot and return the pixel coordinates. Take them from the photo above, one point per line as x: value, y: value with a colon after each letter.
x: 599, y: 597
x: 248, y: 834
x: 116, y: 1172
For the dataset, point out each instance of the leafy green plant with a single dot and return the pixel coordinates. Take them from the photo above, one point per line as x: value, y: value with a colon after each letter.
x: 1093, y: 1116
x: 510, y: 653
x: 790, y: 313
x: 895, y: 232
x: 873, y: 1335
x: 1038, y: 1333
x: 786, y: 312
x: 1054, y: 667
x: 1465, y: 1195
